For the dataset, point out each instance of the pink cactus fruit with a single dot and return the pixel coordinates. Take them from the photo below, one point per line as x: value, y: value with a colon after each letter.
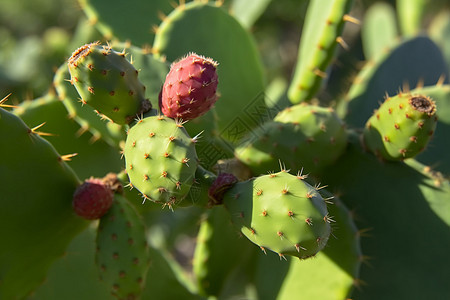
x: 190, y: 89
x: 92, y: 199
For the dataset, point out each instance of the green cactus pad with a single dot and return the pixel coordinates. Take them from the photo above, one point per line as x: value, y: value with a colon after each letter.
x: 379, y: 30
x: 401, y: 127
x: 131, y: 20
x: 240, y: 68
x: 36, y: 216
x: 321, y: 33
x: 108, y: 82
x: 301, y: 136
x: 122, y: 255
x: 411, y: 15
x: 77, y: 264
x: 64, y: 135
x: 439, y: 31
x: 280, y: 212
x: 160, y: 159
x: 248, y: 12
x: 403, y: 209
x: 213, y: 261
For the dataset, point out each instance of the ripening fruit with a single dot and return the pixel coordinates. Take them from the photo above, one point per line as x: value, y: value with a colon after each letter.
x: 92, y: 199
x: 190, y: 89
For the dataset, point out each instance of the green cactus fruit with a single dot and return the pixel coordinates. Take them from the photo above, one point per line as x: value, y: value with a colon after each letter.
x: 160, y: 159
x: 303, y: 136
x: 122, y: 255
x: 401, y: 127
x: 108, y: 82
x: 88, y: 119
x: 280, y: 212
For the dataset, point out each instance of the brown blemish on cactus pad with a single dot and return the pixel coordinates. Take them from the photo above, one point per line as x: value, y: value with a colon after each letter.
x: 423, y: 104
x: 81, y: 52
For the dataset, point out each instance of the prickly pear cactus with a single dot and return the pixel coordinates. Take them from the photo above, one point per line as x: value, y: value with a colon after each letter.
x: 108, y: 82
x: 160, y: 159
x: 402, y: 126
x: 122, y: 255
x: 280, y: 212
x: 206, y: 247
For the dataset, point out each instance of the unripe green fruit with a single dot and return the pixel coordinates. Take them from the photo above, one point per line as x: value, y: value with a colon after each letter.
x: 401, y: 127
x: 108, y: 82
x: 160, y: 159
x: 280, y: 212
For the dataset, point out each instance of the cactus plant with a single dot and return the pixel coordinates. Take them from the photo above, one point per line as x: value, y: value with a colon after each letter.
x: 289, y: 186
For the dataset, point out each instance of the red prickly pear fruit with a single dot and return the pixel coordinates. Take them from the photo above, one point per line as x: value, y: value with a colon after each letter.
x: 190, y: 88
x: 223, y: 183
x: 92, y: 199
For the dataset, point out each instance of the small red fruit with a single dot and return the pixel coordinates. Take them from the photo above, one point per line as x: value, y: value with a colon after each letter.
x: 92, y: 199
x: 190, y: 88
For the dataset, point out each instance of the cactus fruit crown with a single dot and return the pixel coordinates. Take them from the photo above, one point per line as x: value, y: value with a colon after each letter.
x: 82, y: 52
x: 423, y: 104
